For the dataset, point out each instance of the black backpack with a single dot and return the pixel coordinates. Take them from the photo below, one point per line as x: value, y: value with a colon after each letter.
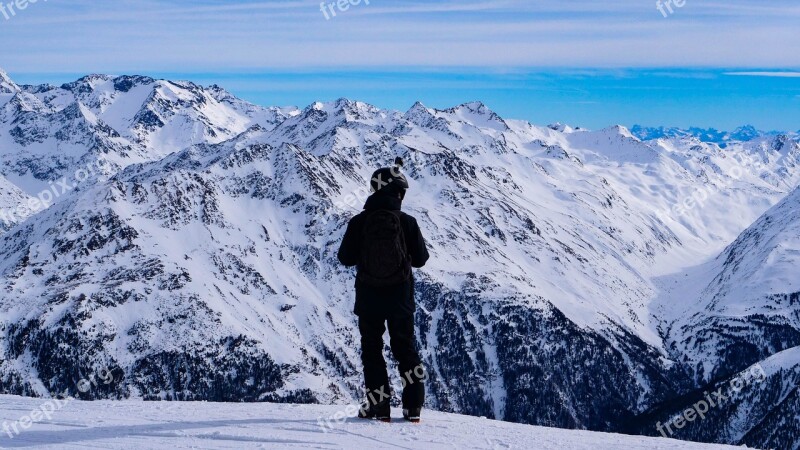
x: 383, y: 259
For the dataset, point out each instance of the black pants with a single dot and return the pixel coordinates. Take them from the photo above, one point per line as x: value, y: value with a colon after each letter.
x: 403, y: 344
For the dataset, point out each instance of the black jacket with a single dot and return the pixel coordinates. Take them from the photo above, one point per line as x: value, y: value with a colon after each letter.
x: 387, y: 301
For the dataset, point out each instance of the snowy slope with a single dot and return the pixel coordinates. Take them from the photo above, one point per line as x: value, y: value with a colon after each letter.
x: 156, y: 425
x: 746, y: 303
x: 202, y: 264
x: 11, y: 197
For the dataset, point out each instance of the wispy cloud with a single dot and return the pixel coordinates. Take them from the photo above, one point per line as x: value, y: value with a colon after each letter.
x: 211, y: 35
x: 765, y: 74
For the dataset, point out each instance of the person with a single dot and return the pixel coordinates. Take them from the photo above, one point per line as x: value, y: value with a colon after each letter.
x: 385, y: 243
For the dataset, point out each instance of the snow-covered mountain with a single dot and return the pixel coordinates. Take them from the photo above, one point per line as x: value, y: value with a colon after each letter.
x: 711, y: 135
x: 200, y: 263
x: 755, y: 280
x: 735, y: 316
x: 48, y: 132
x: 742, y: 306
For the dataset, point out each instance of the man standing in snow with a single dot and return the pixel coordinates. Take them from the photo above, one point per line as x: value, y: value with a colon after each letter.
x: 385, y: 244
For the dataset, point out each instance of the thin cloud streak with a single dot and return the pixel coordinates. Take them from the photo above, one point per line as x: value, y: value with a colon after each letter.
x: 86, y: 36
x: 765, y: 74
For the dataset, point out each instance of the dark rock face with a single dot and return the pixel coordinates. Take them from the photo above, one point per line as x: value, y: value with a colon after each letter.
x: 64, y: 356
x: 748, y: 340
x: 535, y: 357
x: 230, y: 371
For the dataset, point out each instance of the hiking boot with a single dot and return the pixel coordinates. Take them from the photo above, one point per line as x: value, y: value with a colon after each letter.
x: 412, y: 414
x: 381, y: 411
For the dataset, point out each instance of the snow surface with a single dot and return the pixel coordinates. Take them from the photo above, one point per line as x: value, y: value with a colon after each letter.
x: 174, y: 425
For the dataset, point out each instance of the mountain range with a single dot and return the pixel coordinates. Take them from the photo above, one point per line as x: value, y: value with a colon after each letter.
x: 597, y: 280
x: 710, y: 135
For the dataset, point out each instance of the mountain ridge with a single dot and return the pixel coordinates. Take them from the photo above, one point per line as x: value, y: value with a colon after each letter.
x: 208, y: 272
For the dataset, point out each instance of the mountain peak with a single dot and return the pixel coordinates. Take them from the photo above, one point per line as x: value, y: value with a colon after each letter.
x: 342, y: 110
x: 343, y: 102
x: 479, y: 114
x: 781, y: 143
x: 7, y: 85
x: 475, y: 106
x: 746, y: 133
x: 89, y: 82
x: 24, y: 102
x: 614, y: 131
x: 623, y: 131
x: 420, y: 114
x: 125, y: 83
x: 418, y: 108
x: 561, y: 127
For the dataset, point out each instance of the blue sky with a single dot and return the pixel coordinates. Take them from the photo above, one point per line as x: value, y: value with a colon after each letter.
x: 585, y: 62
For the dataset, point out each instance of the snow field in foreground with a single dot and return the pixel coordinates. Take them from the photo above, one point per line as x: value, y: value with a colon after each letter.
x: 177, y: 425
